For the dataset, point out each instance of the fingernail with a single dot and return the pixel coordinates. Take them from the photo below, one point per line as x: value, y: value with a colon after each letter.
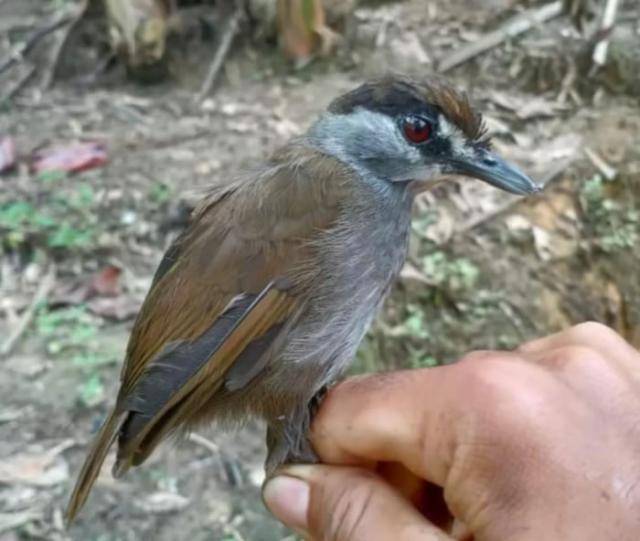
x: 288, y: 499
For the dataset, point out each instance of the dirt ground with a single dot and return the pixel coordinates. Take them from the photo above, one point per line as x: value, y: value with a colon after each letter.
x: 486, y: 270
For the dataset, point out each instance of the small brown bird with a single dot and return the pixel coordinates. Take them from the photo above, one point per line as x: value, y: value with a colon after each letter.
x: 261, y: 303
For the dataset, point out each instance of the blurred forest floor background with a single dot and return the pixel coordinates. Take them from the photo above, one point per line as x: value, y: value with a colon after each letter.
x: 99, y: 164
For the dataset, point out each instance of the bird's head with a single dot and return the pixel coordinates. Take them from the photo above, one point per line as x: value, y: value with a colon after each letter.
x: 402, y: 130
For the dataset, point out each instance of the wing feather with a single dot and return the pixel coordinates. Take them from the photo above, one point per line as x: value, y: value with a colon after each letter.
x: 159, y: 404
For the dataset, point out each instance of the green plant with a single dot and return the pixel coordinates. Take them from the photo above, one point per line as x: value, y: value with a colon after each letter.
x: 91, y: 391
x: 51, y: 177
x: 453, y: 274
x: 160, y: 192
x: 71, y: 335
x: 5, y: 106
x: 614, y: 225
x: 418, y: 358
x: 66, y: 330
x: 65, y: 220
x: 421, y: 223
x: 161, y: 479
x: 414, y: 325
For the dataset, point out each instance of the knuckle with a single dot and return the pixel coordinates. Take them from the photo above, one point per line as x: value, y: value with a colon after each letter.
x: 506, y: 396
x: 478, y: 357
x: 591, y: 331
x: 527, y: 347
x: 574, y: 357
x: 490, y: 380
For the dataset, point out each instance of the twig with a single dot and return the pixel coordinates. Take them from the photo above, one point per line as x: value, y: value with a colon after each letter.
x: 513, y: 318
x: 45, y: 287
x: 512, y: 28
x: 12, y: 521
x: 227, y: 466
x: 18, y: 85
x: 568, y: 82
x: 11, y: 24
x: 50, y: 75
x: 602, y: 47
x: 103, y: 65
x: 230, y: 32
x: 61, y: 448
x: 230, y: 529
x: 21, y: 50
x: 511, y: 202
x: 600, y: 164
x: 204, y: 442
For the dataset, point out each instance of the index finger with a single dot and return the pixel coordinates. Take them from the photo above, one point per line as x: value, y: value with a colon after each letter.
x: 420, y: 418
x: 376, y: 418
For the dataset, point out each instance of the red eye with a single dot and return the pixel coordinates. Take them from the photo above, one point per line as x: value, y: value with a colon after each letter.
x: 416, y: 129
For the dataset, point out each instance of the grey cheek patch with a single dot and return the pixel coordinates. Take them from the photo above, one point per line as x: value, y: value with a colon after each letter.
x: 370, y: 142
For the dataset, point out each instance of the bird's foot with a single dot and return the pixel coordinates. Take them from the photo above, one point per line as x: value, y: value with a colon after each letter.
x: 288, y: 439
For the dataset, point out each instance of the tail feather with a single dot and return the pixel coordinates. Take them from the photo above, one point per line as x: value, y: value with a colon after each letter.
x: 92, y: 464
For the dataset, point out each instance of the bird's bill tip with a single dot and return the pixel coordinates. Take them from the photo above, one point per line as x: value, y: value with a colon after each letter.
x: 494, y: 170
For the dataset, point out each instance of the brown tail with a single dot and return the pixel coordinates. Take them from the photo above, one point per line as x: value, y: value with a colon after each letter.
x: 92, y: 464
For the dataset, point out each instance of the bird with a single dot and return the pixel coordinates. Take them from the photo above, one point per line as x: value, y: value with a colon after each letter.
x: 259, y: 305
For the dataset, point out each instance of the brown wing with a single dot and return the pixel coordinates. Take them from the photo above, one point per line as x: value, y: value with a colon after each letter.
x: 181, y: 379
x: 242, y: 237
x: 223, y: 292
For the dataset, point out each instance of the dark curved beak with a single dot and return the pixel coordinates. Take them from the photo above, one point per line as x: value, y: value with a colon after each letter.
x: 493, y: 170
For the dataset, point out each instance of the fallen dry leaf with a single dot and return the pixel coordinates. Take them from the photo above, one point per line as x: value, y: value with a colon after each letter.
x: 408, y: 51
x: 9, y: 415
x: 28, y: 366
x: 539, y: 156
x: 73, y: 158
x: 553, y: 310
x: 517, y: 223
x: 139, y: 30
x: 44, y: 469
x: 118, y: 308
x: 17, y: 498
x: 106, y: 283
x: 616, y: 307
x: 7, y: 154
x: 410, y: 273
x: 303, y: 29
x: 162, y: 502
x: 526, y: 107
x: 11, y: 521
x: 542, y: 243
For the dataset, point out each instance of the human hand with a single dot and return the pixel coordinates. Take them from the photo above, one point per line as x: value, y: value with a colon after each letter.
x: 538, y: 444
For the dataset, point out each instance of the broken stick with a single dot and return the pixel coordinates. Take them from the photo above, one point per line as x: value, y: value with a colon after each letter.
x: 608, y: 20
x: 233, y: 26
x: 61, y: 45
x: 18, y: 85
x: 512, y: 28
x: 41, y: 294
x: 23, y: 48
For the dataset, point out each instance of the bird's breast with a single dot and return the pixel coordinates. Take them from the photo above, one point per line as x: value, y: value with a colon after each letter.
x: 356, y: 263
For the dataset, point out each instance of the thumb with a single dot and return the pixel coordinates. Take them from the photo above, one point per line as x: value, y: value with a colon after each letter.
x: 334, y: 503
